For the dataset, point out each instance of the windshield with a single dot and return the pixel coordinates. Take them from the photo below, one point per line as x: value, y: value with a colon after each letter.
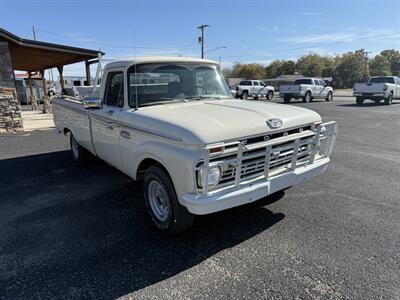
x: 153, y: 84
x: 382, y: 80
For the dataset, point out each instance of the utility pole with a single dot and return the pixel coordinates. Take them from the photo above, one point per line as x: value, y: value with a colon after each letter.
x: 34, y: 32
x: 201, y: 39
x: 366, y: 64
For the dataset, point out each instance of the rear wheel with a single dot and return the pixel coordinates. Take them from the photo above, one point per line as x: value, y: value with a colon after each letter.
x: 79, y: 154
x: 329, y: 97
x: 360, y: 100
x: 245, y: 95
x: 286, y: 99
x: 307, y: 97
x: 255, y: 97
x: 389, y: 99
x: 270, y: 95
x: 162, y: 203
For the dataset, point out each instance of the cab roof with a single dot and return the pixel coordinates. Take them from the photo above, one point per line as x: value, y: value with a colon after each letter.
x: 157, y: 59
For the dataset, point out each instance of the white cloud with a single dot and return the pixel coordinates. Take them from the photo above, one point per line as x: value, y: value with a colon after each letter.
x: 307, y: 13
x: 318, y: 38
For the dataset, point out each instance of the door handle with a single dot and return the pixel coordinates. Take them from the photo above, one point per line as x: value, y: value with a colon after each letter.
x: 125, y: 134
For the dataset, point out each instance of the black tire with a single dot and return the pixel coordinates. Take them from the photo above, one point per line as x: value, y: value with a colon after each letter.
x: 307, y: 97
x: 256, y: 98
x: 245, y: 95
x: 270, y: 95
x: 359, y: 100
x: 286, y: 99
x: 178, y: 218
x: 389, y: 99
x: 377, y: 101
x: 329, y: 98
x: 80, y: 155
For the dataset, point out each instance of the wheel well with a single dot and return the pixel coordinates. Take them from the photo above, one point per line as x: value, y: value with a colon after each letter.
x: 147, y: 163
x: 66, y: 130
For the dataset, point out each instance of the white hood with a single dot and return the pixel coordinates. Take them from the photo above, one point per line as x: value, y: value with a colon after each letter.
x: 205, y: 122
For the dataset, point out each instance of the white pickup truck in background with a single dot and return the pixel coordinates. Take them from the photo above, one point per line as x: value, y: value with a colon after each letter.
x: 306, y: 89
x: 173, y: 123
x: 255, y: 89
x: 378, y: 88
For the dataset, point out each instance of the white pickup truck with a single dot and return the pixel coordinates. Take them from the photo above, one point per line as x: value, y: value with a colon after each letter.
x: 173, y: 123
x: 378, y: 88
x: 306, y: 89
x: 255, y: 89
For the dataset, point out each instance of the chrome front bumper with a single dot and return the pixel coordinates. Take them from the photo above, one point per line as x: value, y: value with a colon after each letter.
x: 306, y: 155
x: 201, y: 205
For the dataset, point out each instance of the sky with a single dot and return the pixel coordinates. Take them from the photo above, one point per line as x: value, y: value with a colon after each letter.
x: 240, y: 31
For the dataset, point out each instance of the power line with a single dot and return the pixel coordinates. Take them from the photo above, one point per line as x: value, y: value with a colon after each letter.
x: 116, y: 46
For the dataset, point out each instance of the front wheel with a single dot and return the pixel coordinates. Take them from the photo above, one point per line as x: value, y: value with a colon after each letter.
x: 329, y: 98
x: 270, y: 95
x: 245, y: 95
x: 389, y: 99
x: 162, y: 203
x: 286, y: 99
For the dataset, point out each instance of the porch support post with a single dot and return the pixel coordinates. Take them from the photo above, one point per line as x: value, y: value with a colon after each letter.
x: 46, y: 100
x: 32, y: 97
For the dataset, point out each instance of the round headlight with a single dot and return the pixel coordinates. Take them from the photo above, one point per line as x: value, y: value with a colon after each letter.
x: 214, y: 175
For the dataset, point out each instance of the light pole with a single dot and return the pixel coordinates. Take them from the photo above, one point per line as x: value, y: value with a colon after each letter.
x: 201, y: 39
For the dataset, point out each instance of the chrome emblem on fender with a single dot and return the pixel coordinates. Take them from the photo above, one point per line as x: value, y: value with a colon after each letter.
x: 274, y: 123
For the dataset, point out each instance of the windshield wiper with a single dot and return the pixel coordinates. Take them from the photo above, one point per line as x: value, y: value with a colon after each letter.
x: 202, y: 97
x: 163, y: 102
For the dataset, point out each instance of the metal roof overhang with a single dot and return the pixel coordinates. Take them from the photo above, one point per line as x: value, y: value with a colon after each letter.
x: 30, y: 55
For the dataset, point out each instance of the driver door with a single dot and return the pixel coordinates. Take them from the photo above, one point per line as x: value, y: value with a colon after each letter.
x: 324, y: 90
x: 105, y: 126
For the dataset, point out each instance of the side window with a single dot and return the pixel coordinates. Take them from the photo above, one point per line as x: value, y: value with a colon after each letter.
x: 255, y: 83
x: 115, y: 89
x: 316, y: 82
x: 321, y: 82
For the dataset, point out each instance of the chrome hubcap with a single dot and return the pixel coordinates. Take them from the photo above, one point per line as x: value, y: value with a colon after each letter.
x: 74, y: 147
x: 158, y: 200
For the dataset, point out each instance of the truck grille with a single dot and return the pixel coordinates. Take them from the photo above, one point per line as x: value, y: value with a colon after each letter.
x: 253, y: 161
x: 265, y: 156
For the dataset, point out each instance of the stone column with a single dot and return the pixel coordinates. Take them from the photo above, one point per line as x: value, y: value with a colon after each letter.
x: 10, y: 110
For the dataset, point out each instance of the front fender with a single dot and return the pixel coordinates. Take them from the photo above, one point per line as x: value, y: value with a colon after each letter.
x: 178, y: 161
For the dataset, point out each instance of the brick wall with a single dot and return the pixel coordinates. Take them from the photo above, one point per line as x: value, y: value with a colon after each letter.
x: 10, y: 110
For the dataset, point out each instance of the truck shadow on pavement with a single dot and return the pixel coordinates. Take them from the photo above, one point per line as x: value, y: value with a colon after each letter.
x: 69, y: 232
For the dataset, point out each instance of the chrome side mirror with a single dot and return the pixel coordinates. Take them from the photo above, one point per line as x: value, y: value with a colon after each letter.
x: 92, y: 103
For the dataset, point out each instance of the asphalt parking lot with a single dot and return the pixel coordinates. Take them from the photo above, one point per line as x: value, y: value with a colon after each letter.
x: 69, y: 232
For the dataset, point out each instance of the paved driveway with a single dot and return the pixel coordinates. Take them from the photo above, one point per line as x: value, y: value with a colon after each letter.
x: 67, y: 232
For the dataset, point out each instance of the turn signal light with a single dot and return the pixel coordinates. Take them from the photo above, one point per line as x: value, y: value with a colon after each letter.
x: 215, y: 150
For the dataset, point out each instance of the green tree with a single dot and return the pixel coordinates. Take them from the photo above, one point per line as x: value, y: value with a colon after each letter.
x: 393, y: 57
x: 288, y: 67
x: 379, y: 66
x: 353, y: 68
x: 274, y: 69
x: 311, y: 65
x: 249, y: 71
